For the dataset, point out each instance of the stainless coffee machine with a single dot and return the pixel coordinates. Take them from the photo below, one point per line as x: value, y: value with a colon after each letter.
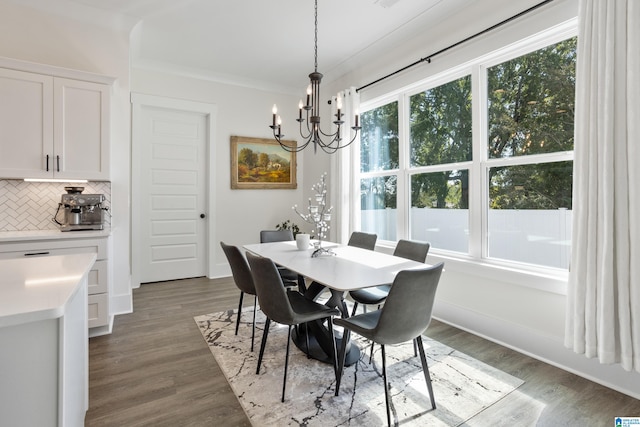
x: 81, y: 211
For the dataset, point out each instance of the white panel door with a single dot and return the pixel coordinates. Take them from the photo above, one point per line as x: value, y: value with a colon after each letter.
x: 173, y: 177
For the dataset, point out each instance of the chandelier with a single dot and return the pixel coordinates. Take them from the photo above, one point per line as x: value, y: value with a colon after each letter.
x: 312, y: 132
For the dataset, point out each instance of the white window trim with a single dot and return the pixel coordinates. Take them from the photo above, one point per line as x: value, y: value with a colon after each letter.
x: 476, y: 261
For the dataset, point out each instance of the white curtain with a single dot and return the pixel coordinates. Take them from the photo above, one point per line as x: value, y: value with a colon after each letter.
x: 603, y: 311
x: 343, y: 169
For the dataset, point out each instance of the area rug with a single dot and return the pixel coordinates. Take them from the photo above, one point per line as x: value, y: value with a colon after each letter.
x: 463, y: 386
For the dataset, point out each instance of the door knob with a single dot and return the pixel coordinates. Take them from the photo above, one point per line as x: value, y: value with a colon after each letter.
x: 202, y: 215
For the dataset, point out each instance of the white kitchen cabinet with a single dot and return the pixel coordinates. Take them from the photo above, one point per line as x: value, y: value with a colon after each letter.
x: 53, y: 127
x: 98, y: 314
x: 98, y: 286
x: 26, y: 124
x: 98, y: 281
x: 80, y: 130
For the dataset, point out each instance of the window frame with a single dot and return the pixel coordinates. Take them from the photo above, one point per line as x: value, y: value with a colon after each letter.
x: 476, y: 259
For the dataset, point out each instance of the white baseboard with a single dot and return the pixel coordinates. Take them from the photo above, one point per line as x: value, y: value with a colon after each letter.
x: 545, y: 348
x: 121, y: 304
x: 220, y: 270
x: 102, y: 330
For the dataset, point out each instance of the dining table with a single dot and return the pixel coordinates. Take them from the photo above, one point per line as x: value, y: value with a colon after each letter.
x: 331, y: 273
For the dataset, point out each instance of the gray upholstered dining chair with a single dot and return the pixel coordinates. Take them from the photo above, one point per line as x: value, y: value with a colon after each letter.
x: 289, y: 278
x: 409, y: 249
x: 375, y: 295
x: 243, y: 280
x: 405, y: 315
x: 267, y: 236
x: 363, y: 240
x: 286, y: 307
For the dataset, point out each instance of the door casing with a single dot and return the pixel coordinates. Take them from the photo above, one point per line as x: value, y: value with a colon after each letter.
x: 139, y: 101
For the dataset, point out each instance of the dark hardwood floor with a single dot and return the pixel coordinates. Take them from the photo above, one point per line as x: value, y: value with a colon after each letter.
x: 156, y: 370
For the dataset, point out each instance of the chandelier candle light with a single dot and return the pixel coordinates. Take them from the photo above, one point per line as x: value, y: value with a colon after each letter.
x: 318, y: 215
x: 313, y: 132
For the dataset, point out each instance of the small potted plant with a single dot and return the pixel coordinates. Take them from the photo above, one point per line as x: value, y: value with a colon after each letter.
x: 288, y: 225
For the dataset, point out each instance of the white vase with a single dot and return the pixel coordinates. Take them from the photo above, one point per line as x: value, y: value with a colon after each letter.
x: 302, y: 241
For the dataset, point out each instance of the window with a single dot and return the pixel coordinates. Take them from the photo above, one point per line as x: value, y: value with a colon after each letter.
x: 530, y: 102
x: 379, y: 161
x: 425, y: 183
x: 439, y: 137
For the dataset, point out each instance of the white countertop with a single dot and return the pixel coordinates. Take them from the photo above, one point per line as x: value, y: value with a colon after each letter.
x: 18, y: 236
x: 33, y: 289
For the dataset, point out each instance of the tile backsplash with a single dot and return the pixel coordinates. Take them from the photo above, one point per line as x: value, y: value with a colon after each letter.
x: 32, y: 205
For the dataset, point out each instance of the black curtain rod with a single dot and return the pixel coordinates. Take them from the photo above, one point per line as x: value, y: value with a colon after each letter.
x: 427, y: 59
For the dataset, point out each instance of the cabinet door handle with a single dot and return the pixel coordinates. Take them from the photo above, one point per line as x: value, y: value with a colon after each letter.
x: 47, y: 163
x: 37, y: 253
x: 58, y: 163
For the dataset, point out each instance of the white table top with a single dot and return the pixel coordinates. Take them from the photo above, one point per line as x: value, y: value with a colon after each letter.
x: 33, y: 289
x: 351, y: 268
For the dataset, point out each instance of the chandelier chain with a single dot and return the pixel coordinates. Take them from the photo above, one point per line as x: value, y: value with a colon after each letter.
x: 316, y: 39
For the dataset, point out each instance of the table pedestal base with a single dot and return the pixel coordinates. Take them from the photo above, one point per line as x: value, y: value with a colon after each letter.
x: 298, y: 335
x: 320, y: 346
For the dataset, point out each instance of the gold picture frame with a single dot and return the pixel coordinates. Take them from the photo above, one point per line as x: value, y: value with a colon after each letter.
x: 259, y: 163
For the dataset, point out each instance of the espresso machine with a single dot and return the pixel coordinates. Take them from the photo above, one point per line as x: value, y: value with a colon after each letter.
x: 80, y: 211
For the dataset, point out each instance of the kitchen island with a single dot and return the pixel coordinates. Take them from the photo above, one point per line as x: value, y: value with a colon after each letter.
x: 44, y: 355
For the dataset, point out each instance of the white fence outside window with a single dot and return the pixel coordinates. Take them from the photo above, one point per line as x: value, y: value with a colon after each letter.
x: 541, y: 237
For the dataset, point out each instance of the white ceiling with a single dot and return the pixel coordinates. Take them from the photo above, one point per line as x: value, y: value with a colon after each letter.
x: 263, y: 43
x: 270, y: 43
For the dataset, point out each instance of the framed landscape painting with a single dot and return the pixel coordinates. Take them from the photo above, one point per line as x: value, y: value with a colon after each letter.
x: 258, y: 163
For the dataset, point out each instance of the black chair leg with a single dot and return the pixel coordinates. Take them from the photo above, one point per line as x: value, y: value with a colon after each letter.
x: 355, y: 307
x: 386, y: 385
x: 333, y: 346
x: 344, y: 310
x: 286, y: 363
x: 302, y: 285
x: 425, y: 370
x: 342, y: 357
x: 306, y: 336
x: 372, y: 343
x: 264, y: 342
x: 239, y: 312
x: 415, y: 351
x: 253, y: 326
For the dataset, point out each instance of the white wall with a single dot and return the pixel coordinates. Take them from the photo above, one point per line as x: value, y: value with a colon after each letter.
x: 522, y: 311
x: 241, y: 214
x: 102, y: 47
